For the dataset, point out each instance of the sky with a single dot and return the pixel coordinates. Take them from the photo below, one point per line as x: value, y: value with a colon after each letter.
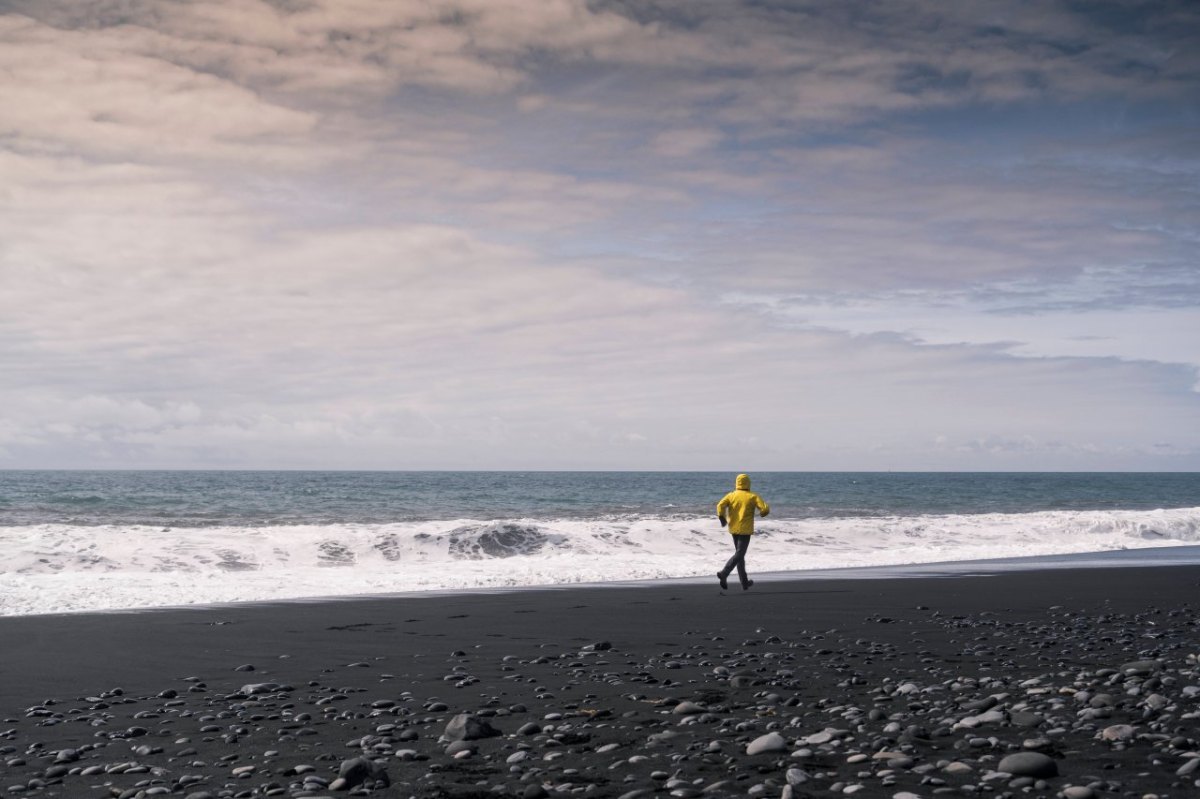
x: 637, y: 234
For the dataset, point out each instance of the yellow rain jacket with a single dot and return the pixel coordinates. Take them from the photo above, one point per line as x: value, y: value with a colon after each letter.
x: 738, y: 507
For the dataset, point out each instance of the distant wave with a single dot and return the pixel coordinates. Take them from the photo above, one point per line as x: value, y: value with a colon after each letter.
x: 57, y: 567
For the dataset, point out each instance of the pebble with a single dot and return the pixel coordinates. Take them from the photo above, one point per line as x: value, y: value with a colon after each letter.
x: 943, y: 704
x: 469, y: 727
x: 771, y: 742
x: 1028, y: 764
x: 1078, y: 792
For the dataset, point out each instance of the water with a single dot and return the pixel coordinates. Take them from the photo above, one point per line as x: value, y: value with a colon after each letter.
x: 106, y: 540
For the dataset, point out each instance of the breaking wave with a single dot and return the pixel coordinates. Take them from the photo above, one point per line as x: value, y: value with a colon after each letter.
x: 55, y: 567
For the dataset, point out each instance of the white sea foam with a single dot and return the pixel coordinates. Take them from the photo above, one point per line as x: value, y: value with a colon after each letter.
x: 56, y: 568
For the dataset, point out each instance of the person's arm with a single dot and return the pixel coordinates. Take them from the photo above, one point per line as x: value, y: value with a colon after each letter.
x: 721, y: 506
x: 763, y: 507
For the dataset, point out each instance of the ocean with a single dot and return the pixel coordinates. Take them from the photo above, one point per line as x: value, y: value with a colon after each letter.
x: 111, y: 540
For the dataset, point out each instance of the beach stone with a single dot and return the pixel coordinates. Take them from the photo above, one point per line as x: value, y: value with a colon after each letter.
x: 1156, y: 701
x: 1118, y: 732
x: 253, y: 689
x: 356, y: 771
x: 763, y: 744
x: 456, y: 748
x: 469, y: 727
x: 1189, y: 768
x: 1141, y: 668
x: 1025, y: 718
x: 797, y: 776
x: 1028, y: 764
x: 688, y: 708
x: 1078, y: 792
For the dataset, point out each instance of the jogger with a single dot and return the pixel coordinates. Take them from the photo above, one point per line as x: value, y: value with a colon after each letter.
x: 740, y: 505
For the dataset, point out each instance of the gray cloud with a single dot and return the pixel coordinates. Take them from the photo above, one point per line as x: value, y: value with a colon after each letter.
x: 567, y: 234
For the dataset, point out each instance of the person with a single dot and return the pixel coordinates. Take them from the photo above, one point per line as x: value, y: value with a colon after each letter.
x: 737, y: 510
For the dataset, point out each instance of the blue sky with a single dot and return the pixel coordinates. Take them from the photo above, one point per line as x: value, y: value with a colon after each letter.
x: 624, y: 235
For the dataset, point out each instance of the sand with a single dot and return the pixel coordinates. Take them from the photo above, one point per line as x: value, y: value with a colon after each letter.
x: 831, y: 687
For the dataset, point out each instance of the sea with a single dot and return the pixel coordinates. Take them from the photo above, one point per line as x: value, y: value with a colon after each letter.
x: 120, y: 540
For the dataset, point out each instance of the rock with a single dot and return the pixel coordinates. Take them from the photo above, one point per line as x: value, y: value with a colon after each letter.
x: 1118, y: 732
x: 454, y: 747
x: 469, y: 727
x: 1028, y: 764
x: 1189, y: 768
x: 356, y: 771
x: 688, y: 708
x: 1141, y: 667
x: 253, y: 689
x: 1025, y: 718
x: 1078, y: 792
x: 763, y: 744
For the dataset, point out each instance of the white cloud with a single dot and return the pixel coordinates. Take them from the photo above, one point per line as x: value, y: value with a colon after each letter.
x: 94, y: 90
x: 499, y: 234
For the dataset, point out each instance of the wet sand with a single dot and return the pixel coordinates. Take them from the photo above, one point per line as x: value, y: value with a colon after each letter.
x: 828, y: 687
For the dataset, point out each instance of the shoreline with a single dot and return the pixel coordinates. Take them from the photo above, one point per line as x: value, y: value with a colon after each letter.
x: 1174, y: 555
x: 912, y: 684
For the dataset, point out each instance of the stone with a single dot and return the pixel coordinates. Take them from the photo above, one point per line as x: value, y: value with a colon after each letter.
x: 765, y: 744
x: 253, y: 689
x: 1118, y: 732
x: 1141, y: 667
x: 456, y: 748
x: 1078, y: 792
x: 1028, y: 764
x: 356, y: 771
x: 469, y: 727
x: 797, y: 776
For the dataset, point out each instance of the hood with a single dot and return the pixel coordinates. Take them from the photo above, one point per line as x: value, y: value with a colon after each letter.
x: 742, y: 482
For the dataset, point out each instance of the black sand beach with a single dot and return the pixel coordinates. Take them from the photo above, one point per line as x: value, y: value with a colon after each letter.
x: 1071, y: 683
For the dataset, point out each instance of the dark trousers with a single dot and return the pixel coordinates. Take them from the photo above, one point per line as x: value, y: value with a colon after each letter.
x: 740, y: 544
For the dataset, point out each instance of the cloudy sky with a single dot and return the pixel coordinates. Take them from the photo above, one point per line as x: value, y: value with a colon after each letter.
x: 633, y: 234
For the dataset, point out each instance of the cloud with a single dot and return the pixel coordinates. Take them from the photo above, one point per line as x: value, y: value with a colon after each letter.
x: 92, y: 90
x: 603, y: 235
